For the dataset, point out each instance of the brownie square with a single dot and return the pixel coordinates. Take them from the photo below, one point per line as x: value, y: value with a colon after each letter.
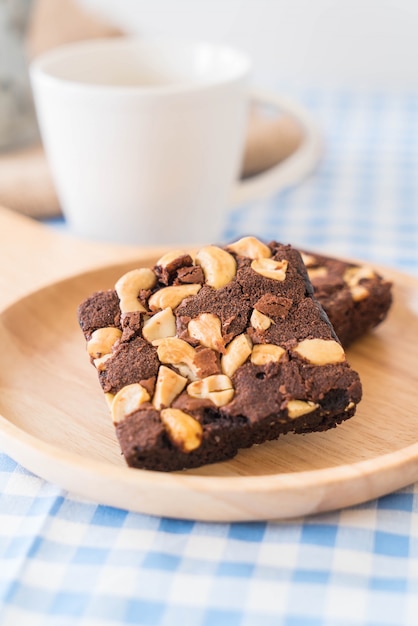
x: 202, y: 355
x: 355, y: 297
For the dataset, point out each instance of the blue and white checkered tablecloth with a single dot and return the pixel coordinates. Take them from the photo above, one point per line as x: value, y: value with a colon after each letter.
x: 65, y: 561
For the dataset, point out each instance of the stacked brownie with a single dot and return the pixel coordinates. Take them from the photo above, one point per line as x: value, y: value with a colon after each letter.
x: 355, y: 298
x: 205, y: 354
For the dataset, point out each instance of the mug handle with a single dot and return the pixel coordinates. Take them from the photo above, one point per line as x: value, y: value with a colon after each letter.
x: 293, y: 168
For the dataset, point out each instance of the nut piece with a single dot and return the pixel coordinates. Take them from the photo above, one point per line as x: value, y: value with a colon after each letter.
x: 250, y: 247
x: 308, y: 259
x: 219, y: 267
x: 130, y: 284
x: 297, y: 408
x: 100, y: 363
x: 183, y: 430
x: 175, y: 351
x: 236, y: 353
x: 320, y: 351
x: 263, y: 353
x: 270, y: 268
x: 353, y: 275
x: 168, y: 386
x: 172, y: 296
x: 159, y: 326
x: 359, y: 292
x: 102, y: 341
x: 217, y: 388
x: 259, y: 321
x: 317, y: 272
x: 206, y: 328
x: 169, y: 257
x: 127, y: 400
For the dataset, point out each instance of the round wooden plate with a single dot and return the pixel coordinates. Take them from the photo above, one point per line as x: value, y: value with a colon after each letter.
x: 54, y: 421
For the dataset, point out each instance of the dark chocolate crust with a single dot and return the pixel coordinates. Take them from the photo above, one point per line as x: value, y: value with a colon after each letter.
x: 355, y: 298
x: 296, y: 392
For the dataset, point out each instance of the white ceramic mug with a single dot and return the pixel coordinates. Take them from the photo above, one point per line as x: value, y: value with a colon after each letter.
x: 144, y: 137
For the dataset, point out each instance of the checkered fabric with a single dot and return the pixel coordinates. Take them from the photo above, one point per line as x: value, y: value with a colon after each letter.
x: 362, y: 201
x: 64, y: 561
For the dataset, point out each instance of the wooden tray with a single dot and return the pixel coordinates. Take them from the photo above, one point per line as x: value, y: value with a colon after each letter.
x: 55, y: 422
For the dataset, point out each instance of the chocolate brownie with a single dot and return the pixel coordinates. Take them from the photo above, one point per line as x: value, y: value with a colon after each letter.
x: 207, y: 355
x: 355, y: 297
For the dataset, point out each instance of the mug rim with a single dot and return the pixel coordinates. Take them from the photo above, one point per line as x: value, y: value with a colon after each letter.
x: 41, y: 67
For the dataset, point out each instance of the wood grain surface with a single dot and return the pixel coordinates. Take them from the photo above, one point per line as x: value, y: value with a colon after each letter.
x: 55, y: 422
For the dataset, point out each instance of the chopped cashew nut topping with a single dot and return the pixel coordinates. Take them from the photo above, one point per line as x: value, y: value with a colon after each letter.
x: 359, y: 292
x: 297, y: 408
x: 127, y: 400
x: 183, y: 430
x: 320, y: 351
x: 100, y: 363
x: 206, y: 328
x: 130, y: 284
x: 269, y: 268
x: 250, y: 247
x: 102, y: 341
x: 169, y: 257
x: 219, y: 267
x: 217, y: 388
x: 236, y: 353
x: 159, y: 326
x: 308, y: 259
x: 259, y: 321
x: 168, y: 386
x: 172, y: 296
x: 317, y: 272
x: 263, y: 353
x: 174, y: 351
x: 353, y: 275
